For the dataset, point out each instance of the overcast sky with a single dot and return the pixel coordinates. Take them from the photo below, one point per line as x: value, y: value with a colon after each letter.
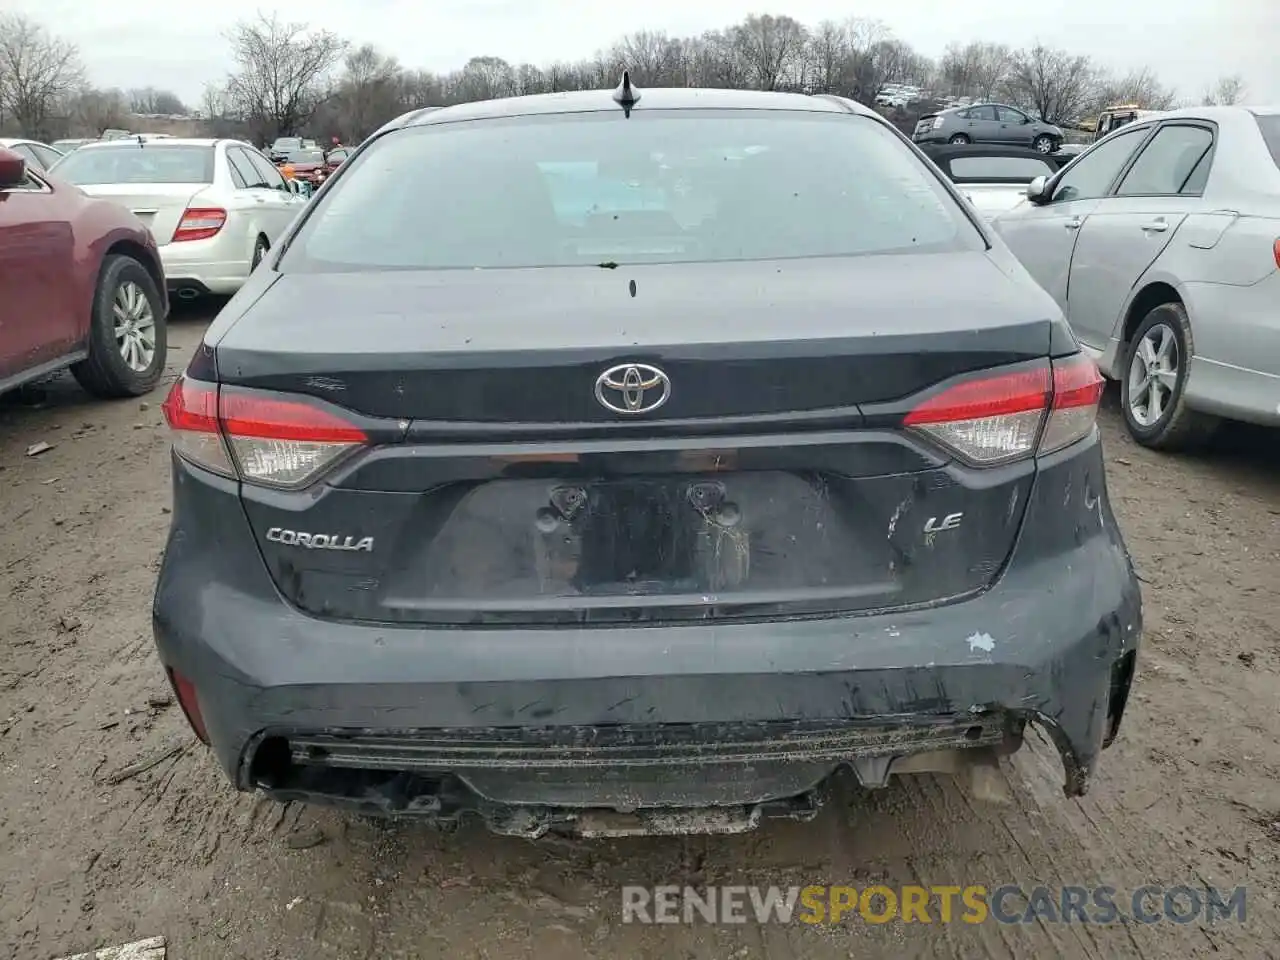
x: 181, y: 46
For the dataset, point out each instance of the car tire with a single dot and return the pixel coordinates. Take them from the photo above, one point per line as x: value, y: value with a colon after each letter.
x: 959, y: 138
x: 1044, y: 144
x: 1157, y: 362
x: 127, y: 320
x: 260, y: 248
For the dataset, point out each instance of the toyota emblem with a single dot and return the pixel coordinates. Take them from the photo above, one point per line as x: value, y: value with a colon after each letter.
x: 633, y: 388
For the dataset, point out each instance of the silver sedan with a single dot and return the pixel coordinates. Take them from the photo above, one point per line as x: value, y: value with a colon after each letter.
x: 1162, y: 245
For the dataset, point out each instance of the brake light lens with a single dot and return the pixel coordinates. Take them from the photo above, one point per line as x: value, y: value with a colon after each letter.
x: 259, y: 438
x: 1077, y: 392
x: 199, y: 223
x: 1006, y: 416
x: 1276, y: 251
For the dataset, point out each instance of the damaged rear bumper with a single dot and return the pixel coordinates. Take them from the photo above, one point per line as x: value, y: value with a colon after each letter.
x: 628, y: 729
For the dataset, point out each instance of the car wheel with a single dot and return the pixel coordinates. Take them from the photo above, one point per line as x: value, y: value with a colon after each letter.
x: 127, y: 334
x: 260, y: 249
x: 1043, y: 144
x: 959, y: 138
x: 1152, y: 391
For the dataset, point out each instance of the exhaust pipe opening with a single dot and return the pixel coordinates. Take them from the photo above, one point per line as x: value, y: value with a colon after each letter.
x: 188, y: 293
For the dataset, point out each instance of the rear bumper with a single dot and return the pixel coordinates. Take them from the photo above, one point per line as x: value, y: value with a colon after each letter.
x: 216, y: 266
x: 519, y: 723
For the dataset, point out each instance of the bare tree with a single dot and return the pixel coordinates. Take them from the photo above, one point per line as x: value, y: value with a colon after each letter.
x: 38, y: 73
x: 368, y: 93
x: 975, y: 69
x: 283, y: 72
x: 770, y: 48
x: 652, y: 58
x: 96, y: 111
x: 484, y: 78
x: 1057, y: 85
x: 1227, y: 92
x: 1142, y: 87
x: 149, y: 100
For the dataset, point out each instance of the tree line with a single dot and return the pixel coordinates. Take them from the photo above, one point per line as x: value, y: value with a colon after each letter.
x: 291, y: 78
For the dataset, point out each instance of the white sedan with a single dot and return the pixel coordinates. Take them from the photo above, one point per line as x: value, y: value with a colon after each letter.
x: 1161, y: 243
x: 215, y: 207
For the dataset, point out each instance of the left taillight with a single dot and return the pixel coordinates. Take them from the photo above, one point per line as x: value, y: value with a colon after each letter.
x: 256, y: 437
x: 199, y: 223
x: 1004, y: 416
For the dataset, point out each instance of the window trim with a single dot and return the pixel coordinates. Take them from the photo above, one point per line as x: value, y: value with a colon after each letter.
x: 1208, y: 125
x: 1056, y: 180
x: 236, y: 172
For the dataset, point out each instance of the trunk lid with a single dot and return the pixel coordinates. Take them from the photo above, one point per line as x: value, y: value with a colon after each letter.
x: 158, y: 205
x: 767, y: 484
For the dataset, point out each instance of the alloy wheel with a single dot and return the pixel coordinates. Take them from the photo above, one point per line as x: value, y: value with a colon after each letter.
x: 1153, y: 375
x: 135, y: 326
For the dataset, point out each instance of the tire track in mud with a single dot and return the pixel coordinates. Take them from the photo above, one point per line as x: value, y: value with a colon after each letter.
x: 222, y: 875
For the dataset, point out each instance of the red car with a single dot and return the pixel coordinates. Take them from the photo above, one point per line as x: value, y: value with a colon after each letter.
x: 307, y: 165
x: 81, y: 286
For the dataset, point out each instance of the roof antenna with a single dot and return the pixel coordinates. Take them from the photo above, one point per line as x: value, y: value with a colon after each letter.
x: 626, y: 95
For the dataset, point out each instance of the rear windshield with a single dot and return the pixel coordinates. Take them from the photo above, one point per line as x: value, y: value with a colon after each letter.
x: 155, y: 162
x: 1000, y: 169
x: 1270, y: 125
x: 662, y: 187
x: 306, y: 156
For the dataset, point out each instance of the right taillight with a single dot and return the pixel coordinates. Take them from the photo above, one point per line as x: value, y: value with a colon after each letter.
x: 1276, y: 250
x: 1077, y: 391
x: 259, y: 438
x: 1009, y: 415
x: 199, y: 223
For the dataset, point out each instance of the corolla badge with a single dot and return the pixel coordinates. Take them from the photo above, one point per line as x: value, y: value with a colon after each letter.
x: 319, y: 541
x: 633, y: 388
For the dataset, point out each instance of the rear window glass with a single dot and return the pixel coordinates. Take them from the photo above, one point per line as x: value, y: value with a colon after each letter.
x: 306, y: 156
x: 1020, y: 169
x: 1270, y: 126
x: 132, y: 163
x: 662, y: 187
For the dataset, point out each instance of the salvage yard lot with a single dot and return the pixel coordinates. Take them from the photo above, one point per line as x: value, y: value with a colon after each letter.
x: 114, y: 826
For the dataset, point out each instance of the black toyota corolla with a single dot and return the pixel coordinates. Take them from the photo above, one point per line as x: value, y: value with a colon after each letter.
x: 633, y: 462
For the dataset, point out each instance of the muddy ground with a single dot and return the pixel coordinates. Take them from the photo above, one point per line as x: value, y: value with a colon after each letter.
x: 91, y: 855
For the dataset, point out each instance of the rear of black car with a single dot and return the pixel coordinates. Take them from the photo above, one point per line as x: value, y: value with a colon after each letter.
x: 570, y: 465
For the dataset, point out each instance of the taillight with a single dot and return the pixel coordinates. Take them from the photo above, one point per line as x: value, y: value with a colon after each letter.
x: 263, y: 439
x: 1276, y: 250
x: 1002, y: 417
x: 1077, y: 391
x: 199, y: 223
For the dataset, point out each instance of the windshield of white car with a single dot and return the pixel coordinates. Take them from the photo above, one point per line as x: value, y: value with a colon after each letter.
x: 663, y: 187
x: 1270, y: 126
x: 131, y: 162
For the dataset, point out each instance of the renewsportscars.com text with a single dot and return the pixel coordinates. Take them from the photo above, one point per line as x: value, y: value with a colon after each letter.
x: 975, y: 903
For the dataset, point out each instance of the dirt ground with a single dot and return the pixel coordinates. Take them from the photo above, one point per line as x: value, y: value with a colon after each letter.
x: 94, y: 854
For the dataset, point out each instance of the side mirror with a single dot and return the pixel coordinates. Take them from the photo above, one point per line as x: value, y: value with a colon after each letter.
x: 1038, y: 189
x: 13, y: 169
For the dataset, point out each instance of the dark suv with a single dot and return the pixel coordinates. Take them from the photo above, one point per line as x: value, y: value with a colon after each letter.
x: 988, y: 123
x: 600, y: 463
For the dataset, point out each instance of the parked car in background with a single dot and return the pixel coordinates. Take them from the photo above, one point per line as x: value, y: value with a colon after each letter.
x: 66, y: 146
x: 642, y: 519
x: 38, y: 156
x: 308, y: 165
x: 215, y: 207
x: 280, y: 149
x: 988, y: 123
x: 334, y: 158
x: 1162, y: 245
x: 81, y: 286
x: 992, y: 177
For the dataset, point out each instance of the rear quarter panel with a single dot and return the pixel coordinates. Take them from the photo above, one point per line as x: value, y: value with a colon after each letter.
x: 101, y: 228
